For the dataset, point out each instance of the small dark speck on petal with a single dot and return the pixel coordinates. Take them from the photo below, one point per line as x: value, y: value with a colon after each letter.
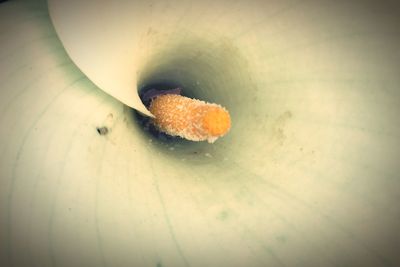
x: 102, y: 130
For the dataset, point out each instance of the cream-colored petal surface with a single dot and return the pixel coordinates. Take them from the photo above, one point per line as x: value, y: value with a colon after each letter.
x: 308, y: 175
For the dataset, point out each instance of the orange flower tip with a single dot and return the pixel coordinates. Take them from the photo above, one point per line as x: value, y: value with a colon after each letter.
x: 216, y: 121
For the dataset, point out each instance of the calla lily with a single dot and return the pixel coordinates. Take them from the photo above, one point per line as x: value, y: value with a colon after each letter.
x: 307, y: 176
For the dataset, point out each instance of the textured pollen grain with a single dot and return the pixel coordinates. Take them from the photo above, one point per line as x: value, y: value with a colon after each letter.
x: 191, y: 119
